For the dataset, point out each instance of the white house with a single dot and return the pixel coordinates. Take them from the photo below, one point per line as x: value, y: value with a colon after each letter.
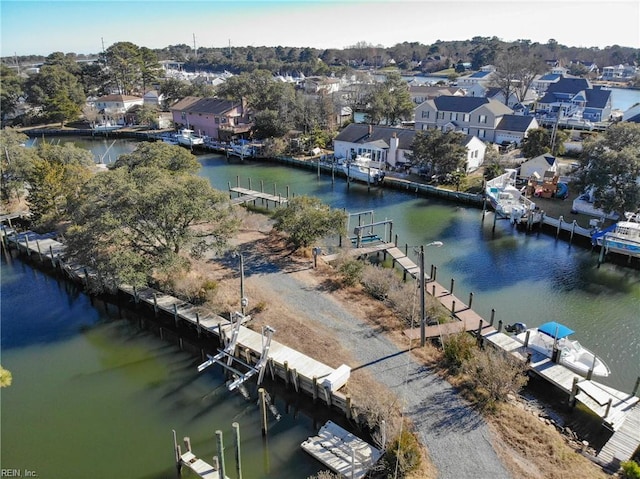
x: 117, y: 104
x: 538, y: 165
x: 153, y: 98
x: 385, y: 144
x: 476, y: 149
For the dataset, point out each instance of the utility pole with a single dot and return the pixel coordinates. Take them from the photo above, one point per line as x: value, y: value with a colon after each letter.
x: 423, y: 318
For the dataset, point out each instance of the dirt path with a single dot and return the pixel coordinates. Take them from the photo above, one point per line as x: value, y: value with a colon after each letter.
x: 305, y: 311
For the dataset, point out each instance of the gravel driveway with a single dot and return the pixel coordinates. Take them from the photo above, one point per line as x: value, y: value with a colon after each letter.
x: 458, y: 439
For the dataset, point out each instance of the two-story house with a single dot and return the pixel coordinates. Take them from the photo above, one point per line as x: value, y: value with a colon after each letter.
x: 575, y: 98
x: 213, y: 117
x: 116, y: 105
x: 470, y: 115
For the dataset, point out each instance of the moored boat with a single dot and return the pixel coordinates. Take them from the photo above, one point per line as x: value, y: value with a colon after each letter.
x: 571, y: 354
x: 623, y: 237
x: 506, y: 199
x: 187, y: 137
x: 362, y: 169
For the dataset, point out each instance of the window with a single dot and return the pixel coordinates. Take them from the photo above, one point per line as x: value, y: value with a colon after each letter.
x: 482, y: 133
x: 482, y: 119
x: 440, y: 115
x: 217, y: 120
x: 425, y: 113
x: 465, y: 117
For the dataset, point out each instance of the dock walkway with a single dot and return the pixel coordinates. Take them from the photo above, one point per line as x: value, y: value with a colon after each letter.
x: 618, y: 410
x: 246, y: 195
x: 305, y: 373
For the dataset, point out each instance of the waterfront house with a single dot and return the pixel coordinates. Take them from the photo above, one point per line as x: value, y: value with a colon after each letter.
x: 470, y: 115
x: 484, y: 76
x: 213, y: 117
x: 385, y: 144
x: 496, y: 93
x: 541, y: 83
x: 575, y: 98
x: 116, y: 105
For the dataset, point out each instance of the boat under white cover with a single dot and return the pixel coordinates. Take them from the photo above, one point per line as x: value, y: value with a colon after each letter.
x: 571, y: 353
x: 361, y: 169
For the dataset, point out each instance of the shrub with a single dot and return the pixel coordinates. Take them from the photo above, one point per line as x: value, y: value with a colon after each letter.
x: 458, y: 348
x: 630, y: 470
x: 379, y: 281
x: 402, y: 455
x: 496, y: 374
x: 351, y: 272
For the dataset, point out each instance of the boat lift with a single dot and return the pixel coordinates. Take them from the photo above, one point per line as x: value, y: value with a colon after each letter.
x: 226, y: 357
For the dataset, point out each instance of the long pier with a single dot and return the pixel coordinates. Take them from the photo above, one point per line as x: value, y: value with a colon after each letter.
x: 298, y: 370
x: 619, y: 411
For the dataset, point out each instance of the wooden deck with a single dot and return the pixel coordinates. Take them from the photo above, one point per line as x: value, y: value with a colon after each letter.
x: 341, y: 451
x: 246, y: 195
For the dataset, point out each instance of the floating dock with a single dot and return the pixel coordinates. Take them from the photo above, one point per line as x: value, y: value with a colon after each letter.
x: 341, y: 451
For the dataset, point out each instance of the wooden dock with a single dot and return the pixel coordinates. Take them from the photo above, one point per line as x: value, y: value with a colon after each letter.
x: 246, y: 195
x: 619, y: 411
x: 341, y: 451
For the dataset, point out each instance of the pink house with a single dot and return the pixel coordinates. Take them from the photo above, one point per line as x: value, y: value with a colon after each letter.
x: 212, y: 117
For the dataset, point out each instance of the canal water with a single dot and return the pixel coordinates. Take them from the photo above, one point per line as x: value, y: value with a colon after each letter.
x: 94, y: 393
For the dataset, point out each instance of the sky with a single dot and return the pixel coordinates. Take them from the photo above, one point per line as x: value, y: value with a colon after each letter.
x: 84, y: 27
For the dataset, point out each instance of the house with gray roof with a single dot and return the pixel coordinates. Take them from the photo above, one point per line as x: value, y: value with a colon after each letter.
x: 470, y: 115
x: 575, y: 98
x: 514, y: 129
x: 384, y: 144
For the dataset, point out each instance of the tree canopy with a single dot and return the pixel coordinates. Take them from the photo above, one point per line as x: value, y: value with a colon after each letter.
x: 612, y: 168
x: 57, y: 92
x: 439, y: 152
x: 389, y: 102
x: 145, y: 217
x: 306, y: 219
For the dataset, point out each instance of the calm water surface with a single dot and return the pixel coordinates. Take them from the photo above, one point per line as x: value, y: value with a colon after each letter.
x: 95, y: 396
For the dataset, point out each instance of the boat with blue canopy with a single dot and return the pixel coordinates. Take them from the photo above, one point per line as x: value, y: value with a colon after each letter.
x: 571, y: 354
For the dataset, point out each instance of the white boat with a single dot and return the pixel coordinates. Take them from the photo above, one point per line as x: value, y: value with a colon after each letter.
x: 106, y: 126
x: 623, y: 237
x: 571, y: 353
x: 584, y: 204
x: 506, y: 199
x: 186, y: 137
x: 362, y: 169
x: 171, y: 139
x: 242, y: 148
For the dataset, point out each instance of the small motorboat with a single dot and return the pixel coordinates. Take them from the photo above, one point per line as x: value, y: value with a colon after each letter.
x: 571, y: 353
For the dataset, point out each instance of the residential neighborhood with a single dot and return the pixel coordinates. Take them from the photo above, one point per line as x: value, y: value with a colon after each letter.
x: 399, y: 242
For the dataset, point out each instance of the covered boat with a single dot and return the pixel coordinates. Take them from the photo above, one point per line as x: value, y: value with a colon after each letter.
x: 187, y: 137
x: 362, y: 169
x: 571, y: 353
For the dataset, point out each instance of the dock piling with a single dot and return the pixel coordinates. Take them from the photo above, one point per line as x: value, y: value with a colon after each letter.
x: 236, y: 430
x: 263, y: 410
x: 220, y: 448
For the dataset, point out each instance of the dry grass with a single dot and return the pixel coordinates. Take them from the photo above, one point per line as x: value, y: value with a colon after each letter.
x: 528, y: 447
